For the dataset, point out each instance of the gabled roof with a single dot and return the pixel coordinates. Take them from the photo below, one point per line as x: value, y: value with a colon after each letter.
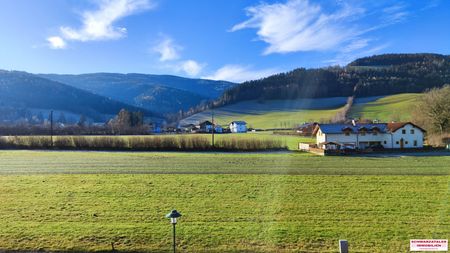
x: 359, y: 127
x: 340, y: 128
x: 207, y: 122
x: 397, y: 125
x: 239, y: 122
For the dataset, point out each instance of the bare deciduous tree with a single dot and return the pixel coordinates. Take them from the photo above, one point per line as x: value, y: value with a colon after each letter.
x: 433, y: 110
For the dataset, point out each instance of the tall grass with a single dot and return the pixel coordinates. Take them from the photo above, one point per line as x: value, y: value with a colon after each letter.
x: 139, y: 143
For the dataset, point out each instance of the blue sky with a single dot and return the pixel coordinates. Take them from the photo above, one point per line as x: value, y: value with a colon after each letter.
x: 232, y: 40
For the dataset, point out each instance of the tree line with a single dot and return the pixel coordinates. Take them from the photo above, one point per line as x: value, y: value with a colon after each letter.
x: 370, y: 76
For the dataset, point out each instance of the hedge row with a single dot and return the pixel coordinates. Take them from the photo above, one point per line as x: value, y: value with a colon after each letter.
x: 139, y: 143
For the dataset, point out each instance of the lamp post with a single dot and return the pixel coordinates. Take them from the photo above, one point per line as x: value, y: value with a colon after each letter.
x: 173, y: 215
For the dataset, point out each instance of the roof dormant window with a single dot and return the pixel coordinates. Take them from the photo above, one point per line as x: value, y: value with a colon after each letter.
x: 403, y: 131
x: 412, y: 131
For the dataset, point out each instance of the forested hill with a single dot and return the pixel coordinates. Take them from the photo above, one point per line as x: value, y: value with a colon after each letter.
x: 21, y: 90
x: 161, y: 93
x: 370, y: 76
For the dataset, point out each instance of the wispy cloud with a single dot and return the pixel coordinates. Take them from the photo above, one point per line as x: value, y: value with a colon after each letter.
x: 99, y: 24
x: 56, y: 42
x: 239, y: 73
x: 395, y: 14
x: 342, y: 58
x: 169, y: 53
x: 191, y: 67
x: 167, y: 49
x: 299, y: 25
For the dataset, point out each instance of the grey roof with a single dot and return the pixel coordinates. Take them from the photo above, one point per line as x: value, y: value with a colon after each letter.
x: 239, y: 122
x: 338, y: 128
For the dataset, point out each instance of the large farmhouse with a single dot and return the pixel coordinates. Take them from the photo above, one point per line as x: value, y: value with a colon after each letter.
x: 362, y: 136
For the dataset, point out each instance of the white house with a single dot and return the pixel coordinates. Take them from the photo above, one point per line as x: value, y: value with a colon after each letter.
x: 361, y: 136
x: 238, y: 127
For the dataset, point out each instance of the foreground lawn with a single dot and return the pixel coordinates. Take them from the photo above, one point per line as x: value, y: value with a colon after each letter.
x: 222, y: 213
x: 292, y: 163
x: 262, y: 202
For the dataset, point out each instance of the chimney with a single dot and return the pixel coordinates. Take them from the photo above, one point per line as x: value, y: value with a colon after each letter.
x: 353, y: 122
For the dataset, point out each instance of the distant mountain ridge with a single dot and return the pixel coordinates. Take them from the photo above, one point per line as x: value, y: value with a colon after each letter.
x: 162, y: 93
x: 25, y: 92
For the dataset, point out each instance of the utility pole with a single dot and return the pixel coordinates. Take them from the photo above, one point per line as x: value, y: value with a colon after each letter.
x: 213, y: 127
x: 51, y: 128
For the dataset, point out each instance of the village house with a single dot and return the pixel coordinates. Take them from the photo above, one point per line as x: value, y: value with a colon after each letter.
x: 362, y: 136
x: 306, y: 129
x: 238, y: 127
x: 189, y: 128
x: 206, y: 126
x: 218, y: 129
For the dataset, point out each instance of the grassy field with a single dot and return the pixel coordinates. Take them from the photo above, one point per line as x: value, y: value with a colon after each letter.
x: 274, y: 113
x: 388, y: 108
x: 290, y: 113
x: 260, y: 202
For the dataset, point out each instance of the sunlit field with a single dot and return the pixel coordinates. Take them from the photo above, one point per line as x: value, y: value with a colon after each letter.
x: 274, y: 113
x: 231, y: 202
x: 389, y: 108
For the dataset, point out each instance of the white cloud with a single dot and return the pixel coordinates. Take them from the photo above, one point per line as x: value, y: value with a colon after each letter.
x: 167, y: 50
x: 191, y: 67
x: 239, y: 73
x: 299, y: 25
x: 56, y: 42
x: 99, y: 24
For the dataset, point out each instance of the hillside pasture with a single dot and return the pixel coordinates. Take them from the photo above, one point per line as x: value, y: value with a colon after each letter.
x: 84, y: 201
x: 273, y: 113
x: 385, y: 108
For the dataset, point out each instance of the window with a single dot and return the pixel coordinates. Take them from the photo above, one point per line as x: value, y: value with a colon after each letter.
x: 347, y: 133
x: 385, y: 142
x: 415, y: 143
x: 406, y: 142
x: 412, y: 131
x: 375, y: 133
x: 403, y: 131
x: 396, y: 142
x: 363, y: 133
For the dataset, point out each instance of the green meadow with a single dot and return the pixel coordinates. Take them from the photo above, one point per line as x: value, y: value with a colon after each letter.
x: 231, y: 202
x: 389, y: 108
x: 290, y: 113
x: 273, y: 113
